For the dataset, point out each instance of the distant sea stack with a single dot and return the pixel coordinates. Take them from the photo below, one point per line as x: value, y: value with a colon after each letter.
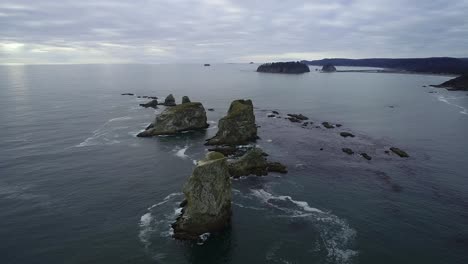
x: 206, y: 64
x: 284, y: 67
x: 328, y: 68
x: 457, y: 84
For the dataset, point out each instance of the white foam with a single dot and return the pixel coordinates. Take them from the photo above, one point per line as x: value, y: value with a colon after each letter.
x: 446, y: 100
x: 166, y: 199
x: 212, y: 122
x: 105, y: 134
x: 202, y: 238
x: 181, y: 152
x: 269, y: 140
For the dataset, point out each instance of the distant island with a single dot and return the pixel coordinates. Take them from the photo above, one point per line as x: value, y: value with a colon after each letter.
x: 293, y: 67
x: 441, y: 65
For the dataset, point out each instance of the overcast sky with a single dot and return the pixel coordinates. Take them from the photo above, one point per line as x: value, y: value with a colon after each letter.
x: 186, y: 31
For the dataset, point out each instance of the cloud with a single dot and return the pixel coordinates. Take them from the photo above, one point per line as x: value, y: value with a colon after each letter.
x: 171, y: 31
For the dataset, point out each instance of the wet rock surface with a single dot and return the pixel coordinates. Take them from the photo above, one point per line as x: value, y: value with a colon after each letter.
x: 399, y: 152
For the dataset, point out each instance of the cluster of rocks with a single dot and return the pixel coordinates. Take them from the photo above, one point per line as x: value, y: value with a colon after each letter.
x: 207, y: 204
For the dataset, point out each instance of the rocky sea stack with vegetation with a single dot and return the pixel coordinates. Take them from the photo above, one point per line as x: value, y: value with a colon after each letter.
x: 207, y: 205
x: 328, y: 68
x: 183, y: 117
x: 284, y: 67
x: 237, y: 127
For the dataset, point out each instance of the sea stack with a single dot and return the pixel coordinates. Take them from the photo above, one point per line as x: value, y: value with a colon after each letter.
x: 183, y: 117
x: 169, y: 101
x: 237, y: 127
x: 328, y: 68
x: 208, y: 195
x: 185, y: 99
x: 293, y: 67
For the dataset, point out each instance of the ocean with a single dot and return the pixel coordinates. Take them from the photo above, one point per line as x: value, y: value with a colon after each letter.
x: 78, y: 186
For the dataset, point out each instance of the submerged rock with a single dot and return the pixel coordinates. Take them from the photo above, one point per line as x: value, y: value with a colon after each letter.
x: 208, y: 194
x: 399, y: 152
x: 346, y: 134
x: 328, y: 68
x: 327, y: 125
x: 169, y: 101
x: 348, y: 151
x: 299, y: 116
x: 153, y: 103
x: 237, y: 127
x: 185, y: 99
x: 366, y: 156
x: 184, y: 117
x: 284, y: 67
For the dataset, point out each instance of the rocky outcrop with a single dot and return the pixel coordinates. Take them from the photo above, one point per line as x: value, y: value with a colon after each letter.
x: 327, y: 125
x: 208, y: 199
x: 399, y: 152
x: 284, y: 67
x: 299, y: 116
x: 254, y: 162
x: 237, y: 127
x: 128, y: 94
x: 366, y: 156
x: 459, y: 83
x: 185, y: 99
x: 348, y: 151
x: 328, y: 68
x: 153, y: 103
x: 346, y: 134
x: 169, y: 101
x: 184, y: 117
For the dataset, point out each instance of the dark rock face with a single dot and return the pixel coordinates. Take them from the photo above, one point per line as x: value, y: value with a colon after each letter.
x: 254, y: 162
x: 128, y: 94
x: 284, y: 67
x: 400, y: 152
x: 299, y: 116
x: 366, y: 156
x: 169, y: 101
x: 185, y: 99
x: 328, y: 68
x: 211, y: 109
x: 237, y: 127
x: 208, y: 195
x: 327, y: 125
x: 346, y: 134
x: 459, y: 83
x: 348, y: 151
x: 184, y: 117
x: 153, y: 103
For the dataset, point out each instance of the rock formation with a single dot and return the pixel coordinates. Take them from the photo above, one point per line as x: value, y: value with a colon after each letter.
x: 254, y: 162
x: 346, y: 134
x: 184, y: 117
x: 328, y: 125
x: 185, y: 99
x: 328, y: 68
x: 153, y: 103
x: 399, y: 152
x: 459, y: 83
x: 169, y: 101
x: 284, y: 67
x: 348, y: 151
x: 237, y: 127
x: 208, y: 199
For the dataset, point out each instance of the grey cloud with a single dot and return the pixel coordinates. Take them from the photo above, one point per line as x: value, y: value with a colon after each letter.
x: 165, y: 31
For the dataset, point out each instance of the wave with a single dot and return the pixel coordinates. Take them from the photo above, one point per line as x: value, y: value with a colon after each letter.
x: 336, y: 235
x: 446, y: 100
x: 105, y: 134
x: 180, y: 152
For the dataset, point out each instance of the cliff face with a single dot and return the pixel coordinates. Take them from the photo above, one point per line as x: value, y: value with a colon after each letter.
x: 208, y: 199
x: 284, y: 67
x: 459, y: 83
x: 237, y: 127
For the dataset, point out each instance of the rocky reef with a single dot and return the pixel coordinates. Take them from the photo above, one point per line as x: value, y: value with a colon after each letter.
x: 328, y: 68
x: 254, y: 162
x: 284, y: 67
x: 207, y: 205
x: 183, y: 117
x: 153, y: 104
x: 237, y: 127
x: 459, y: 83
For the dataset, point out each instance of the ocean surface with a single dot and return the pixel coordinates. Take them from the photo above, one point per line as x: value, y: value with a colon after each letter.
x: 77, y: 185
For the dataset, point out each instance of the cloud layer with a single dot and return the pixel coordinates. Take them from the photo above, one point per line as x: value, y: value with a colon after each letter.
x: 173, y: 31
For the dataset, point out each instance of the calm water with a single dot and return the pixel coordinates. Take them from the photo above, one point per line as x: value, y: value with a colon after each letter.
x: 77, y: 186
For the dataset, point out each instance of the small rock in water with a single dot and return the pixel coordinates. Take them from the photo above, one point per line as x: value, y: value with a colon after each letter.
x: 276, y: 167
x: 153, y: 103
x: 348, y: 151
x: 321, y: 149
x: 298, y: 116
x: 211, y: 109
x: 128, y: 94
x: 367, y: 157
x: 387, y: 152
x: 271, y: 115
x: 399, y: 152
x: 338, y: 125
x: 275, y: 112
x: 346, y: 134
x: 327, y: 125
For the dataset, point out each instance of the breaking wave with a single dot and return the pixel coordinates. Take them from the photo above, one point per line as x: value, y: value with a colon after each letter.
x: 105, y: 134
x: 448, y: 100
